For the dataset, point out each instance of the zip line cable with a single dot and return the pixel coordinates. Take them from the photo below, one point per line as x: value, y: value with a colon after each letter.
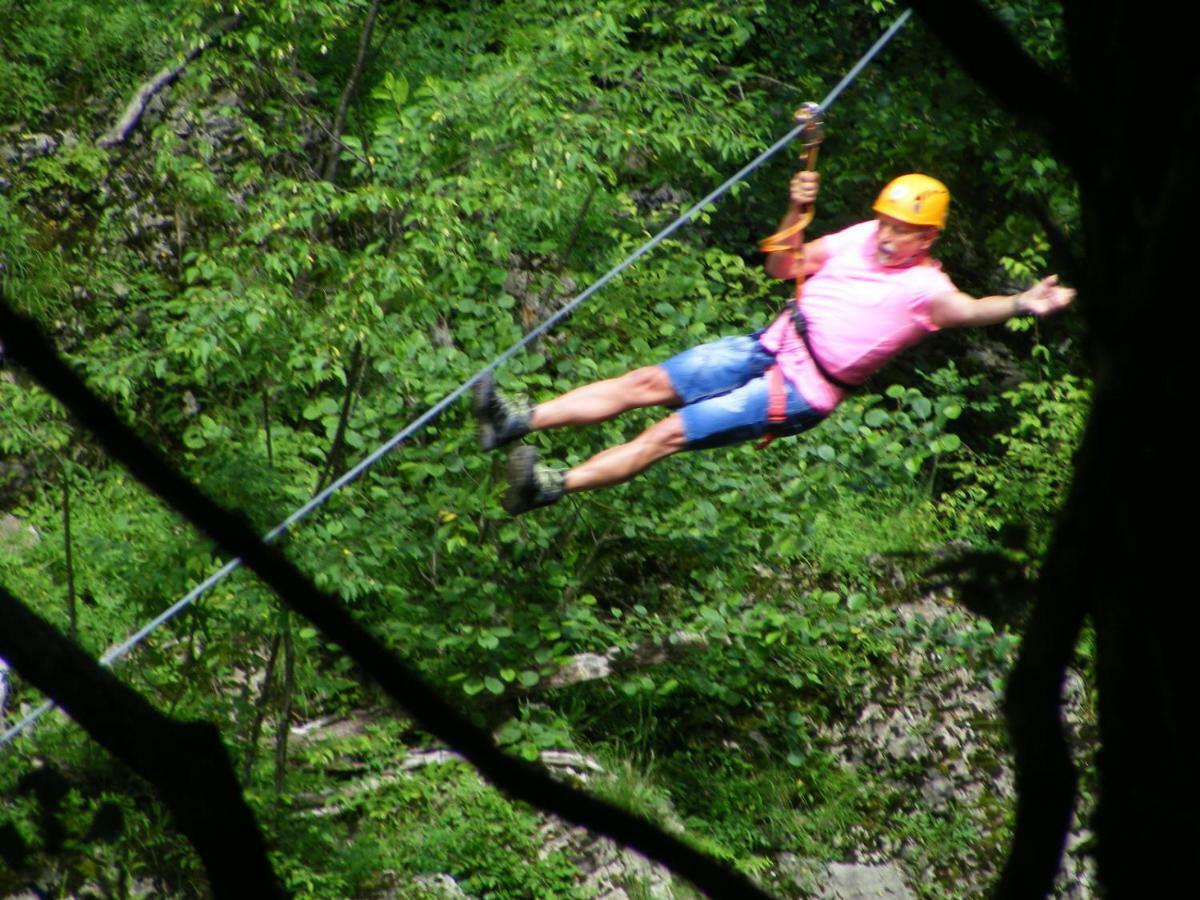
x: 117, y: 651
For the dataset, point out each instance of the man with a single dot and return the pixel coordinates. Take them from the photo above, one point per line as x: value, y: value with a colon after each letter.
x: 871, y: 290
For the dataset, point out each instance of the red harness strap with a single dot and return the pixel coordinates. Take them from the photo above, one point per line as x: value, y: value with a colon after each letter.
x: 776, y: 404
x: 776, y: 396
x: 776, y: 388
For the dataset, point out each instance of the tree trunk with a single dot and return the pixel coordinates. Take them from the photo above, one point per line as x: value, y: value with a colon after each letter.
x: 1127, y: 121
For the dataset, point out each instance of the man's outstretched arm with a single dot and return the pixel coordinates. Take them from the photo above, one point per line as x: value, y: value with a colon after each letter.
x: 959, y: 310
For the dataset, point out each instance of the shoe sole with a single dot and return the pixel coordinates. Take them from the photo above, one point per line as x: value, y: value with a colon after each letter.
x: 481, y: 401
x: 481, y: 395
x: 519, y: 470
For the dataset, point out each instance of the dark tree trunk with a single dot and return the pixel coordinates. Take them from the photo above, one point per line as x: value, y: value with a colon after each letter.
x: 1127, y: 123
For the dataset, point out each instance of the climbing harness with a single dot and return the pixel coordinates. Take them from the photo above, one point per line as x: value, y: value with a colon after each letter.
x: 791, y: 240
x: 801, y: 326
x: 118, y: 651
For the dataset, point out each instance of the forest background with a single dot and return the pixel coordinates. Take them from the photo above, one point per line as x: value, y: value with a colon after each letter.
x: 334, y: 216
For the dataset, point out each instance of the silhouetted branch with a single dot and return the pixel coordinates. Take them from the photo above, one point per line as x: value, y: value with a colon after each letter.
x: 1045, y: 776
x: 1067, y: 252
x: 989, y: 53
x: 184, y: 761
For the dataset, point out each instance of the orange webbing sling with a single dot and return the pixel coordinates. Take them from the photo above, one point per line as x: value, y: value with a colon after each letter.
x: 791, y: 239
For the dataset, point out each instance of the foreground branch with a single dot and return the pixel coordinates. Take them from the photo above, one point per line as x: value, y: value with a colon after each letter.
x: 1045, y: 777
x: 989, y: 53
x: 184, y: 761
x: 234, y: 535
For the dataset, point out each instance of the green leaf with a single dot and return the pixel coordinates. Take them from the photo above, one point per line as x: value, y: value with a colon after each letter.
x: 510, y: 732
x: 948, y: 443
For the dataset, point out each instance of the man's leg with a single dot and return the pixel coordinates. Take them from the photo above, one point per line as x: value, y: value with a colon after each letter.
x: 504, y: 419
x: 740, y: 415
x: 715, y: 372
x: 604, y: 400
x: 532, y: 484
x: 618, y: 464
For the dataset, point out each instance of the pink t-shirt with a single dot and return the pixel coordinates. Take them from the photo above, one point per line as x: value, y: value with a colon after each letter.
x: 860, y: 314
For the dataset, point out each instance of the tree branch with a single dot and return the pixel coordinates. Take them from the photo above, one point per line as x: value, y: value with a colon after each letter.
x: 339, y: 122
x: 988, y: 52
x: 1044, y: 774
x: 185, y: 761
x: 1068, y: 256
x: 234, y: 534
x: 134, y: 111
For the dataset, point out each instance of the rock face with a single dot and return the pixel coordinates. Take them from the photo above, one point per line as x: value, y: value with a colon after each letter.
x: 841, y: 881
x: 29, y: 147
x: 610, y: 871
x: 437, y: 887
x: 936, y: 731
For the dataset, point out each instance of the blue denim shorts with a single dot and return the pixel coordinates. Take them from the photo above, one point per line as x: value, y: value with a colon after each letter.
x: 723, y: 386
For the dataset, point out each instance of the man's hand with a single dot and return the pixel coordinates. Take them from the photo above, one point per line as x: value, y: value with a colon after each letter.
x: 958, y: 310
x: 803, y: 188
x: 1044, y: 298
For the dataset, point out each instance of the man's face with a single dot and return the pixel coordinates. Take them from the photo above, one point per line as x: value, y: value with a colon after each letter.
x: 900, y: 244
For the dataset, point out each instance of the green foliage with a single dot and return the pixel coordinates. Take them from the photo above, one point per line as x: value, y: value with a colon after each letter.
x: 88, y: 50
x: 1023, y: 484
x: 437, y: 819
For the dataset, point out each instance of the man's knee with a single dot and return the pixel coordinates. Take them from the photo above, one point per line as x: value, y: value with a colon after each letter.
x: 650, y: 384
x: 666, y: 436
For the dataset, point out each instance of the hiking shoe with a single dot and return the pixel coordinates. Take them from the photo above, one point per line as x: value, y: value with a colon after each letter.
x: 530, y: 483
x: 501, y: 419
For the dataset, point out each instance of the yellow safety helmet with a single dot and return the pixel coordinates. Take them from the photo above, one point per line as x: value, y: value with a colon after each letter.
x: 915, y: 199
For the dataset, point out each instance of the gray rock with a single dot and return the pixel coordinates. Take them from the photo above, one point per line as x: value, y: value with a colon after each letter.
x: 36, y: 145
x: 439, y: 887
x: 17, y: 534
x: 849, y: 881
x: 938, y: 792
